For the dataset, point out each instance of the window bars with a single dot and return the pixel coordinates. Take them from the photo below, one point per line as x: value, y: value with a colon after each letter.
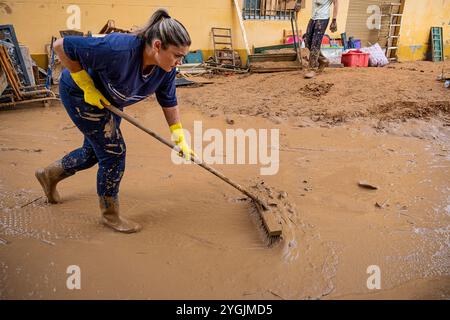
x: 268, y: 9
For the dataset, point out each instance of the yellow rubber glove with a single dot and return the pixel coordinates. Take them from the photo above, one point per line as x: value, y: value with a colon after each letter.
x: 178, y: 137
x: 91, y: 95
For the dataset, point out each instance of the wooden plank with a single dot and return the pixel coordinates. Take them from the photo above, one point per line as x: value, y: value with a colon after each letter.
x: 25, y: 51
x: 226, y: 69
x: 269, y: 70
x: 262, y: 57
x: 275, y: 47
x: 10, y: 72
x: 241, y: 23
x: 5, y: 67
x: 3, y: 81
x: 9, y: 61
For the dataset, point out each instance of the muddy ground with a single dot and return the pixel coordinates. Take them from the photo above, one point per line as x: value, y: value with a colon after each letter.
x: 388, y: 127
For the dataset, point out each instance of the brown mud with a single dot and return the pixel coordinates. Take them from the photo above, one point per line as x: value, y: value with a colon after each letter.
x: 386, y: 127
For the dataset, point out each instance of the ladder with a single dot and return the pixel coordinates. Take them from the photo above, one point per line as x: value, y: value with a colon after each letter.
x: 437, y: 44
x: 395, y: 21
x: 223, y: 45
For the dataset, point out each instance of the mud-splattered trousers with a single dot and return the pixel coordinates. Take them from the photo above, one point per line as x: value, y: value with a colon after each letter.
x: 103, y: 142
x: 313, y: 39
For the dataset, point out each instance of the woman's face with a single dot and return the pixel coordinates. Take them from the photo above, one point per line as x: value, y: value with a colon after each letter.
x: 170, y: 57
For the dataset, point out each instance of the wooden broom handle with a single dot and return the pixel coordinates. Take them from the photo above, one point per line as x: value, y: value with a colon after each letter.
x: 194, y: 159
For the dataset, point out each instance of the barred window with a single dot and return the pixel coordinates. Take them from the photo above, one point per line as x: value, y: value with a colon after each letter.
x: 268, y: 9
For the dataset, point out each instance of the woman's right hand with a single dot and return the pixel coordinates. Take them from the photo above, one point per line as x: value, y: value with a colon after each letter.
x: 91, y: 94
x: 178, y: 137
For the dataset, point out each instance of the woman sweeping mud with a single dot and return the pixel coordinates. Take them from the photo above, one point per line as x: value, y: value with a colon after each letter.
x: 118, y: 69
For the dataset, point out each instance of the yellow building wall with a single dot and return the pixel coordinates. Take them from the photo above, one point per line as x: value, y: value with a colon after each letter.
x: 418, y: 18
x: 36, y: 21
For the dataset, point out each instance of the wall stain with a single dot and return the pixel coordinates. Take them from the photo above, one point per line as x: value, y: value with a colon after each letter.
x: 5, y: 7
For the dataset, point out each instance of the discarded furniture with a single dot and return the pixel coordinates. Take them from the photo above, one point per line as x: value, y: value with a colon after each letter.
x: 223, y: 46
x: 8, y: 35
x: 25, y: 52
x: 3, y: 81
x: 15, y: 92
x: 65, y: 33
x: 110, y: 27
x: 214, y: 66
x: 192, y: 69
x: 51, y: 66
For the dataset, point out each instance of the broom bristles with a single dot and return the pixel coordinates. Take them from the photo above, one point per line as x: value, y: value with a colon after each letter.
x: 268, y: 239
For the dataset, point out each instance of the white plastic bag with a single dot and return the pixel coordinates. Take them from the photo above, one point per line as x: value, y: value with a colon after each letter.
x: 377, y: 57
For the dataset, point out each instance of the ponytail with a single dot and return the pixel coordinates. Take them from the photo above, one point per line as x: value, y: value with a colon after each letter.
x: 162, y: 27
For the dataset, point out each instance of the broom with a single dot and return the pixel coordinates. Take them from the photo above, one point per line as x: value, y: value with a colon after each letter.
x: 266, y: 216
